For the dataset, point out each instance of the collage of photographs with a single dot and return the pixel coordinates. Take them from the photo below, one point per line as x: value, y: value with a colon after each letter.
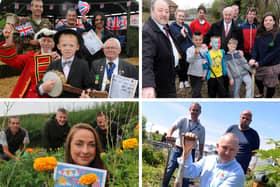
x: 139, y: 93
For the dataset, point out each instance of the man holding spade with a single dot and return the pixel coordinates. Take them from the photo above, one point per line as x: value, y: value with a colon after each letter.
x: 185, y: 124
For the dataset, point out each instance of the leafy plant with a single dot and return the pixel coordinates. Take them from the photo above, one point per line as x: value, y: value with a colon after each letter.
x: 272, y: 170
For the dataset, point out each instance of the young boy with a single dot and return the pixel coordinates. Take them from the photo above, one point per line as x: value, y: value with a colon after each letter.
x: 238, y: 70
x: 196, y: 58
x: 75, y: 70
x: 216, y: 69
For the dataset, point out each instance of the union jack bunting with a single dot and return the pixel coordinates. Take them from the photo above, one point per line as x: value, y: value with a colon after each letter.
x: 60, y: 23
x: 117, y: 23
x: 80, y: 24
x: 83, y: 7
x: 25, y: 29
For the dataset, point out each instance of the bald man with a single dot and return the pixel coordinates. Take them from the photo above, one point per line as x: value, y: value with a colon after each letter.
x: 214, y: 170
x: 249, y: 139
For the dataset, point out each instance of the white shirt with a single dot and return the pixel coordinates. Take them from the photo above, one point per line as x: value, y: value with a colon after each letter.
x: 116, y: 62
x: 66, y: 68
x: 225, y: 26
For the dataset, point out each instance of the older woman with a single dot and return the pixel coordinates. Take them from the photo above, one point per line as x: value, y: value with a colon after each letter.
x: 83, y: 147
x: 265, y: 55
x: 33, y: 63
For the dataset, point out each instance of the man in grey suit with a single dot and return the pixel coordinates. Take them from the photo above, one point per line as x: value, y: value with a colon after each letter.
x: 103, y: 69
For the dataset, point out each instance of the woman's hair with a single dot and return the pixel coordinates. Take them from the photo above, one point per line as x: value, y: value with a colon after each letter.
x: 261, y: 31
x: 97, y: 162
x: 103, y: 17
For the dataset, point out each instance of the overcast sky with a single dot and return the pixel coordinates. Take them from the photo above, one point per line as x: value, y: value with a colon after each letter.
x: 39, y: 106
x: 187, y: 4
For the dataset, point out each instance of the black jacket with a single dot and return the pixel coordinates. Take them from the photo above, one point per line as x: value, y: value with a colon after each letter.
x: 217, y: 29
x: 109, y: 139
x: 54, y: 135
x: 158, y: 69
x: 78, y: 75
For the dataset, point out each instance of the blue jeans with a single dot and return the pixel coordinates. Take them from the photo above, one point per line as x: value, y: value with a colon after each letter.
x: 172, y: 165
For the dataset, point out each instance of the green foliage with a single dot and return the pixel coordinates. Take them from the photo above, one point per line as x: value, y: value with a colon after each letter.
x: 155, y: 136
x: 22, y: 174
x: 152, y: 175
x: 151, y: 156
x: 144, y: 133
x: 123, y: 167
x: 272, y: 171
x: 121, y: 112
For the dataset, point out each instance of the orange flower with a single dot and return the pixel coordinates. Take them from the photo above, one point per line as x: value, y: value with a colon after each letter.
x: 29, y: 150
x: 119, y: 151
x: 137, y: 127
x: 130, y: 143
x: 88, y: 179
x: 45, y: 164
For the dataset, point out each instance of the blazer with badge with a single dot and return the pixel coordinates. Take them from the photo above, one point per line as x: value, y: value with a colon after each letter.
x: 78, y: 76
x: 98, y: 67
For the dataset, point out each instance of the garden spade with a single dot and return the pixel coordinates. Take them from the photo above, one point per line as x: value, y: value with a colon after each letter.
x: 188, y: 142
x: 253, y: 80
x: 170, y: 141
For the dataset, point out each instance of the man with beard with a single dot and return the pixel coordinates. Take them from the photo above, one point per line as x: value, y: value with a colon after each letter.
x: 55, y: 131
x: 33, y: 63
x: 249, y: 139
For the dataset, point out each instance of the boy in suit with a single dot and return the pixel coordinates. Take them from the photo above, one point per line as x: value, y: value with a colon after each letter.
x: 75, y: 69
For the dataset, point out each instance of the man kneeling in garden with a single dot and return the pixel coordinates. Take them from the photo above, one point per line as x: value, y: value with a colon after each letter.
x: 12, y: 139
x: 220, y: 170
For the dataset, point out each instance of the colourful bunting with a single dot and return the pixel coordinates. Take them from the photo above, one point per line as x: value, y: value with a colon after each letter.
x: 83, y: 7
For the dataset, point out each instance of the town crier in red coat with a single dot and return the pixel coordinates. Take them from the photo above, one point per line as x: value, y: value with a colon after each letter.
x: 33, y: 63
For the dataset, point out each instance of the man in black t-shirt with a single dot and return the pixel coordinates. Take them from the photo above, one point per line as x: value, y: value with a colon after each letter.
x: 249, y: 139
x: 109, y: 131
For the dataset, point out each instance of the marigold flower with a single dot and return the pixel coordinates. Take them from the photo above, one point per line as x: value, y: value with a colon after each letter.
x: 130, y: 143
x: 29, y: 150
x: 45, y: 163
x: 88, y: 179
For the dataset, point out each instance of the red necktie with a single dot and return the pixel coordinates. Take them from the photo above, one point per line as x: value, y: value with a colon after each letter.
x: 166, y: 31
x: 226, y: 32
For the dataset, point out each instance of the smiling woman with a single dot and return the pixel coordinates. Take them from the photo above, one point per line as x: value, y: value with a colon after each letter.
x: 83, y: 147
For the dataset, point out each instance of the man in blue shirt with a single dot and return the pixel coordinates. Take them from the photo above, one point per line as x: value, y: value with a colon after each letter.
x: 215, y: 170
x: 249, y: 139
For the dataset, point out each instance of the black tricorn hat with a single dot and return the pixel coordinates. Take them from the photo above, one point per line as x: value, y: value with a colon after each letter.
x: 44, y: 32
x: 70, y: 32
